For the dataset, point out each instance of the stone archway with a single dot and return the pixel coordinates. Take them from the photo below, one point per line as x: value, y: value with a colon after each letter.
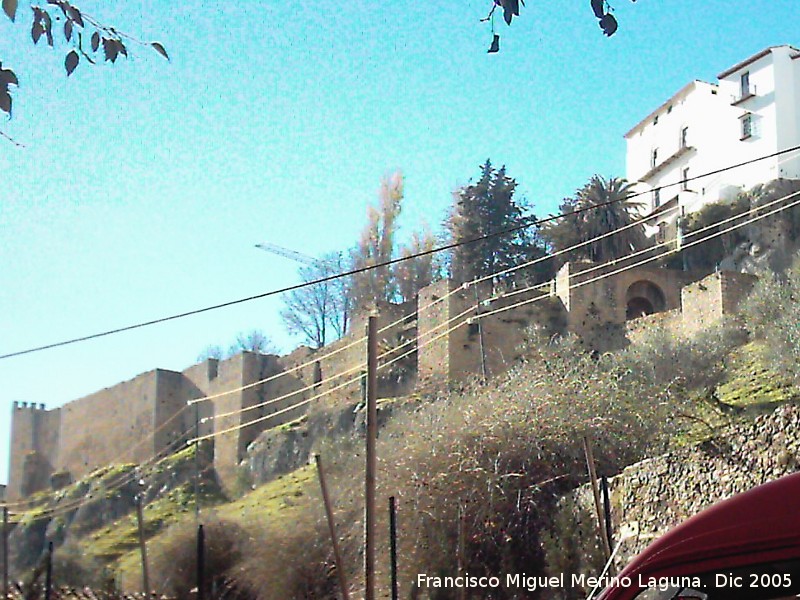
x: 643, y: 298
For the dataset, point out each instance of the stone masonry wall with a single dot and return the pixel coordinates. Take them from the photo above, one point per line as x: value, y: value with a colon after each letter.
x: 114, y: 425
x: 651, y: 497
x: 456, y: 341
x: 455, y: 334
x: 707, y: 302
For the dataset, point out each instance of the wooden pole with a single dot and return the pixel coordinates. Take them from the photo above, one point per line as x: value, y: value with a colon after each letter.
x: 5, y: 553
x: 201, y: 561
x: 48, y: 577
x: 607, y: 510
x: 393, y: 546
x: 460, y: 567
x: 196, y: 462
x: 371, y: 466
x: 142, y: 547
x: 480, y: 329
x: 587, y: 449
x: 337, y: 555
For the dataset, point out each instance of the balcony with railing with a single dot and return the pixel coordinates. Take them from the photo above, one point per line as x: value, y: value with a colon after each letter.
x: 744, y: 95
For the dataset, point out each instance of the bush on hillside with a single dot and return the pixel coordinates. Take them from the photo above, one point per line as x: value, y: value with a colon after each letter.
x: 772, y: 314
x: 174, y: 564
x: 477, y: 474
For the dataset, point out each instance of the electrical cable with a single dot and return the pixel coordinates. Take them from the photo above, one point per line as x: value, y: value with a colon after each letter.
x: 397, y: 358
x: 422, y: 309
x: 579, y: 284
x: 531, y: 223
x: 480, y: 315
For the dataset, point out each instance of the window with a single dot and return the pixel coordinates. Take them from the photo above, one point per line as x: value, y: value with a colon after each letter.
x: 669, y: 109
x: 656, y: 198
x: 655, y: 120
x: 745, y: 85
x: 684, y: 137
x: 654, y: 158
x: 685, y: 179
x: 747, y: 126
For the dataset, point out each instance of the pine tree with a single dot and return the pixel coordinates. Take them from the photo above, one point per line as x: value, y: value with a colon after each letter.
x: 486, y: 207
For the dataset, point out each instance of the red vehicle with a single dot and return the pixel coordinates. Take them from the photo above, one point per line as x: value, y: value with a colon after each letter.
x: 743, y: 548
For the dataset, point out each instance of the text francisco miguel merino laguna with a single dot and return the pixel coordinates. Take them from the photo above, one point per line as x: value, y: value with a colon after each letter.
x: 533, y: 583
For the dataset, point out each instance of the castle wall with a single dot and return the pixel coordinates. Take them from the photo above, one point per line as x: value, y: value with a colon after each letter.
x: 671, y: 320
x: 453, y: 336
x: 346, y: 359
x: 34, y: 448
x: 478, y: 345
x: 171, y: 429
x: 114, y: 425
x: 597, y: 307
x: 433, y: 350
x: 710, y: 300
x: 227, y: 445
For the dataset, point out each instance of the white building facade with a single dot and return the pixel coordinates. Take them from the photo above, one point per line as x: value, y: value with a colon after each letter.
x: 753, y: 111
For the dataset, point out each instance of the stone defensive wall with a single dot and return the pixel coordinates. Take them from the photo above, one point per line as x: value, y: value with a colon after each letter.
x: 458, y: 332
x: 653, y: 496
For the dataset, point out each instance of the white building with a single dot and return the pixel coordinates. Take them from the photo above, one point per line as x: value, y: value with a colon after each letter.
x: 753, y: 111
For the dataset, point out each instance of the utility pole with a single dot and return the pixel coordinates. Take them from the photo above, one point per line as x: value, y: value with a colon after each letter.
x: 393, y: 546
x: 142, y: 546
x: 480, y: 329
x: 196, y: 462
x: 587, y: 449
x: 201, y: 562
x: 48, y: 577
x: 337, y: 555
x: 371, y: 467
x: 5, y: 553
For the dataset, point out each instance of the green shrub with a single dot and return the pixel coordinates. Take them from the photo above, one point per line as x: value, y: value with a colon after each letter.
x: 772, y: 313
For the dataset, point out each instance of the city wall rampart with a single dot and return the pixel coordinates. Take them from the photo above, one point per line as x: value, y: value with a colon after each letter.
x: 457, y: 333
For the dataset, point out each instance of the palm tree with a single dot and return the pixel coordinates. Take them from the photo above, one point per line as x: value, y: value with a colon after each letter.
x: 614, y: 210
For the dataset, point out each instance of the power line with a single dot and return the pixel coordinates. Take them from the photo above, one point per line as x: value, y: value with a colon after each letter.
x: 610, y: 263
x: 393, y: 261
x: 419, y: 310
x: 122, y: 481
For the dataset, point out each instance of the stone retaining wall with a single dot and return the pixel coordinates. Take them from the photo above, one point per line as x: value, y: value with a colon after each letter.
x: 651, y: 497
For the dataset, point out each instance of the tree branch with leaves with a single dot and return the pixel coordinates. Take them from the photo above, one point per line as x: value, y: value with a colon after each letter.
x: 602, y: 10
x: 83, y: 35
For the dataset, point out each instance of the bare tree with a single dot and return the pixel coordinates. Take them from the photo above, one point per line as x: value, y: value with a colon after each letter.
x: 214, y: 351
x: 252, y: 341
x: 319, y: 312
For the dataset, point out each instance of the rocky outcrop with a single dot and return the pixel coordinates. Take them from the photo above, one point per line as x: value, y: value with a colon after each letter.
x: 283, y: 449
x: 100, y: 499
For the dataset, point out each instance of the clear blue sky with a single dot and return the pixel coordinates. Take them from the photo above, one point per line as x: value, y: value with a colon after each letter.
x: 143, y: 187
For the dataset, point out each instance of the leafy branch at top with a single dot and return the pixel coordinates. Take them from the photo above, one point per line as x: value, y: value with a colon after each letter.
x: 83, y: 34
x: 601, y: 8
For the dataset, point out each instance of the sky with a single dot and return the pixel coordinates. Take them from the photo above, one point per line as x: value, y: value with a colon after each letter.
x: 143, y: 187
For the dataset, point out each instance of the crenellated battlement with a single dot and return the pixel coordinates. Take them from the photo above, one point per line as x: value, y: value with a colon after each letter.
x: 31, y: 406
